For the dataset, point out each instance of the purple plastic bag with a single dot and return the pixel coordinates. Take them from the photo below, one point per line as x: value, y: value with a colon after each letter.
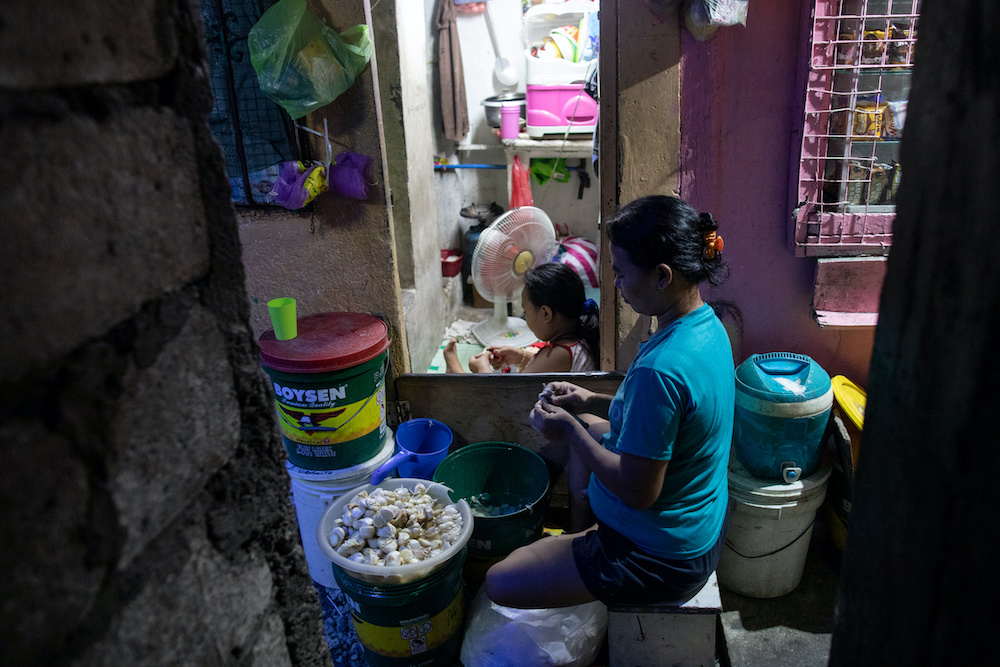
x: 348, y: 175
x: 297, y: 185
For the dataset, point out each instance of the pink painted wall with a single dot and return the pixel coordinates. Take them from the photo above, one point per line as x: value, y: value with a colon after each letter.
x: 741, y: 101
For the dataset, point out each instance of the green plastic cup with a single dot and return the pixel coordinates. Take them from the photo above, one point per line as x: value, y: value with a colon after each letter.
x: 283, y: 317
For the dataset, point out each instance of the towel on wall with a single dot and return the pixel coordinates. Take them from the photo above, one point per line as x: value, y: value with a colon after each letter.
x: 454, y: 108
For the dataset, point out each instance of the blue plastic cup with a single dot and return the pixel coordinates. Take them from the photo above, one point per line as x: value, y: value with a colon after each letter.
x: 421, y: 444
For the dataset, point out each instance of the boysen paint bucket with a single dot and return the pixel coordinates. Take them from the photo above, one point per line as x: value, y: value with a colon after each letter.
x: 329, y: 388
x: 417, y: 623
x: 783, y: 403
x: 312, y: 492
x: 508, y: 490
x: 409, y: 614
x: 769, y: 531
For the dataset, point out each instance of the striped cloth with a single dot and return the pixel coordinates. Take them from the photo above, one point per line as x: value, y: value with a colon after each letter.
x: 581, y: 255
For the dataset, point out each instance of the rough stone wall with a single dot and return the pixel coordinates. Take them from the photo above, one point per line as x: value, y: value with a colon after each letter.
x: 144, y: 506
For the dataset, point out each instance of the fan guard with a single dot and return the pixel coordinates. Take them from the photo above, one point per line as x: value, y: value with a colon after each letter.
x: 518, y: 240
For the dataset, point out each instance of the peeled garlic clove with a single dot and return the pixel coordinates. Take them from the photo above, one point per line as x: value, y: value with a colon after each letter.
x: 337, y: 536
x: 385, y: 515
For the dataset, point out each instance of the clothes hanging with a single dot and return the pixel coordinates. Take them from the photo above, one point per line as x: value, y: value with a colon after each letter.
x: 454, y: 108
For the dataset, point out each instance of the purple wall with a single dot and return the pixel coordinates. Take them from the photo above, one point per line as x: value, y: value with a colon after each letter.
x: 741, y: 94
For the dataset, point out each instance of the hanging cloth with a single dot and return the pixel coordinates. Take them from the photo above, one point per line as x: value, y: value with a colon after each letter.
x: 454, y: 108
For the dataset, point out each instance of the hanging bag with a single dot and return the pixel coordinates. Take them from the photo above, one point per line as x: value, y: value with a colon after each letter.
x: 300, y: 62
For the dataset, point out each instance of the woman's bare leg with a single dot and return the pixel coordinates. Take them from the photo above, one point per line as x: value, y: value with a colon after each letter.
x: 580, y: 516
x: 540, y: 575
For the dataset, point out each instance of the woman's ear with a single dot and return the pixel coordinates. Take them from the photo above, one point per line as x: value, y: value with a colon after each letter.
x: 546, y: 313
x: 665, y: 276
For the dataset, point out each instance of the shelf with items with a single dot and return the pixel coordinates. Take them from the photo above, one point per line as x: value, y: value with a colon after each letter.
x: 858, y: 83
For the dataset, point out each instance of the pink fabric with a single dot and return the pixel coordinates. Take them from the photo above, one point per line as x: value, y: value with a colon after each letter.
x: 581, y: 255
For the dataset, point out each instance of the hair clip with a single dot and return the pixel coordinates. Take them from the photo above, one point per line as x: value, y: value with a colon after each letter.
x: 713, y: 244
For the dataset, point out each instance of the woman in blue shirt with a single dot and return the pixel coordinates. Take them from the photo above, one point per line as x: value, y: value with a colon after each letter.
x: 655, y: 457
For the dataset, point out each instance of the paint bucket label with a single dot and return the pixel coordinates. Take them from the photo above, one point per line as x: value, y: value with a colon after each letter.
x: 416, y: 623
x: 327, y: 416
x: 413, y: 637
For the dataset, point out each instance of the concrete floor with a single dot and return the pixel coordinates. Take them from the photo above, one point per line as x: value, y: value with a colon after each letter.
x: 793, y: 630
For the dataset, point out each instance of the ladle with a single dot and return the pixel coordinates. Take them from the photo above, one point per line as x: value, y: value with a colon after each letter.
x: 505, y: 73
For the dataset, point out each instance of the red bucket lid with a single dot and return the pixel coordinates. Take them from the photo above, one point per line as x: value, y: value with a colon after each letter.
x: 326, y: 342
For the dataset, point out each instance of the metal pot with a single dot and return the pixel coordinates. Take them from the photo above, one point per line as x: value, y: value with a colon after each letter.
x: 493, y: 104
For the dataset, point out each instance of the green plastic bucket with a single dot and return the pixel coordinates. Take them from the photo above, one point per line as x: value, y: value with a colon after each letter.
x: 329, y: 388
x: 415, y: 623
x: 508, y: 490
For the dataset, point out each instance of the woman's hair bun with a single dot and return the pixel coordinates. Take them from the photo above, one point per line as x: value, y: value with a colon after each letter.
x: 706, y: 223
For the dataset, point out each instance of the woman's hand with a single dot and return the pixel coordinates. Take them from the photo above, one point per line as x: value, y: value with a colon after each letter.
x: 551, y: 422
x: 568, y: 395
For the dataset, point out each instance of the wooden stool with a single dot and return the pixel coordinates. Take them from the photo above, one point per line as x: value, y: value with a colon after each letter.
x: 654, y: 635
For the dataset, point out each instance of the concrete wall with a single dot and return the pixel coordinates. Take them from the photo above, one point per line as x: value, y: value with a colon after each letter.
x: 407, y: 126
x: 143, y: 498
x: 741, y: 102
x: 340, y: 256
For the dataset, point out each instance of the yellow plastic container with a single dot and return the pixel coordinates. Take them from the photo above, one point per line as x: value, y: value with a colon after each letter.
x: 849, y: 403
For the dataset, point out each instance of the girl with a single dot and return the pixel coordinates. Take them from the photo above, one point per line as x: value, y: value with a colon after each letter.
x: 557, y: 312
x: 656, y: 467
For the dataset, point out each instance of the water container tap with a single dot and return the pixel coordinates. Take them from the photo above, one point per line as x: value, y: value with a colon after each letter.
x: 790, y: 472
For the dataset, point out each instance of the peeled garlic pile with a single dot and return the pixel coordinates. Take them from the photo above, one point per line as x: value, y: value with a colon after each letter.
x: 395, y: 527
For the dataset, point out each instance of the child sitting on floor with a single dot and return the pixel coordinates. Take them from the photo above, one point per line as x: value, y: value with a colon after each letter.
x: 559, y: 314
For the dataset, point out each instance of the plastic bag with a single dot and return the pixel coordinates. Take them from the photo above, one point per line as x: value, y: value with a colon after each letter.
x: 349, y: 175
x: 520, y: 182
x: 499, y: 636
x: 301, y: 63
x: 718, y: 13
x: 297, y: 184
x: 544, y: 168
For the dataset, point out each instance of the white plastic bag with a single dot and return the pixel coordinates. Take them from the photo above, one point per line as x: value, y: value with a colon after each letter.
x: 498, y: 636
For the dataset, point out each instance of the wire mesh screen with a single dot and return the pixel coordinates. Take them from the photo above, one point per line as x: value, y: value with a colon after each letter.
x: 256, y: 134
x: 858, y: 86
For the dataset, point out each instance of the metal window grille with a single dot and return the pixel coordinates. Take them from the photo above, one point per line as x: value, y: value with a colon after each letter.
x: 255, y: 134
x: 858, y: 83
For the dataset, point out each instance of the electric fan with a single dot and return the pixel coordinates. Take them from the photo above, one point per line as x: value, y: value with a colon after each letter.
x: 518, y: 240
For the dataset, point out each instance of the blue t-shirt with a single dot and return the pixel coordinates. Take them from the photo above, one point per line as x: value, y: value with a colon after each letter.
x: 675, y: 404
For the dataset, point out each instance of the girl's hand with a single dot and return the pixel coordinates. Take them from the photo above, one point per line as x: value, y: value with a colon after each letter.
x: 570, y: 396
x: 505, y: 355
x: 480, y: 363
x: 551, y: 422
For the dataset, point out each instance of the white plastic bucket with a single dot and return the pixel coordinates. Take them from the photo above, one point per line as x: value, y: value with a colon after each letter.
x: 314, y: 490
x: 769, y: 531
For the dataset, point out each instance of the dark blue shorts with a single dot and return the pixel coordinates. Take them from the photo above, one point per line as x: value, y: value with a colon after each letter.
x: 616, y: 571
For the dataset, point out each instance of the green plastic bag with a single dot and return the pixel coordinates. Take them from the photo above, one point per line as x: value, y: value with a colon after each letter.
x: 544, y: 168
x: 301, y: 63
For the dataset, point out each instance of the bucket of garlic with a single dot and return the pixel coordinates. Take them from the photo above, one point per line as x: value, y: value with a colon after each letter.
x: 396, y: 532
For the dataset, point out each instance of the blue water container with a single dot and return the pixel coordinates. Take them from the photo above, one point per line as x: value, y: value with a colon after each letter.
x: 783, y: 403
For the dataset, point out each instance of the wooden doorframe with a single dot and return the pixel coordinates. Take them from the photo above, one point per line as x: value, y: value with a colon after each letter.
x: 639, y: 140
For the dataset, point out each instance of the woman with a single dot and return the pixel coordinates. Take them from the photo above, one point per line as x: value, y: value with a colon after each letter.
x: 657, y: 465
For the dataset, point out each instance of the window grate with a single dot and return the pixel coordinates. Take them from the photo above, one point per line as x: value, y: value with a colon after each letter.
x: 255, y: 134
x: 858, y: 84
